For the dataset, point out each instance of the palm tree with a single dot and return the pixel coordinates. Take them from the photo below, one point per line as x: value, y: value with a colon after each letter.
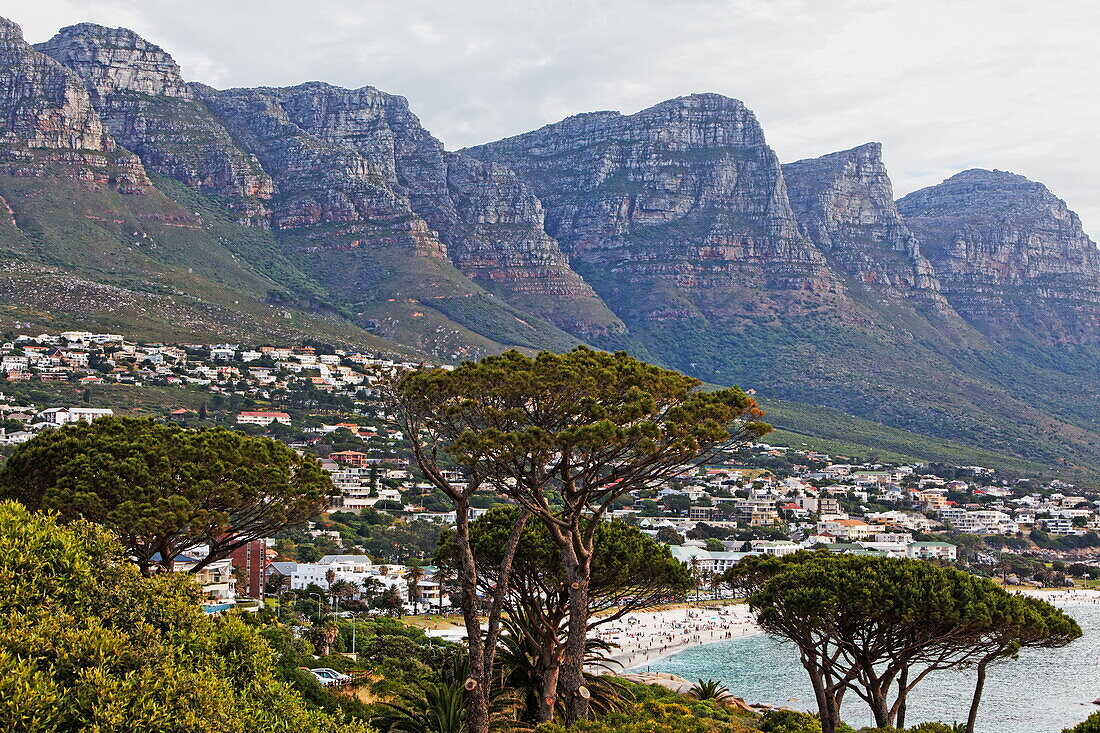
x: 695, y: 573
x: 715, y: 583
x: 439, y: 706
x: 709, y: 690
x: 522, y: 670
x: 432, y: 707
x: 370, y: 587
x: 413, y: 577
x: 343, y: 588
x: 323, y: 636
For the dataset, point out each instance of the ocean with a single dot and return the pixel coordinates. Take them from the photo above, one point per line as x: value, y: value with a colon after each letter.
x: 1044, y: 691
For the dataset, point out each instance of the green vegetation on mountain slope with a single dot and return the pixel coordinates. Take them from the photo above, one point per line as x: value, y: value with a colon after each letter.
x: 837, y: 433
x: 899, y: 368
x: 413, y: 297
x: 174, y: 265
x: 142, y: 265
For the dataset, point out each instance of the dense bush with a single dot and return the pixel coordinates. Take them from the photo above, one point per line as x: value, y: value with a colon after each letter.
x: 87, y: 643
x: 654, y: 717
x: 1091, y: 724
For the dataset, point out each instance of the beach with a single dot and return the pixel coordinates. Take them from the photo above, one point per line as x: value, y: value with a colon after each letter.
x: 1062, y: 596
x: 644, y: 638
x: 1045, y: 690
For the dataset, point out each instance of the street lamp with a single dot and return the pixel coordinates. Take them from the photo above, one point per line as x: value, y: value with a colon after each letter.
x: 319, y: 617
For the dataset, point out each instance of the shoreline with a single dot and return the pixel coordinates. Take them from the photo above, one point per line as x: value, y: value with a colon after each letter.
x: 1061, y: 596
x: 657, y: 635
x: 647, y: 637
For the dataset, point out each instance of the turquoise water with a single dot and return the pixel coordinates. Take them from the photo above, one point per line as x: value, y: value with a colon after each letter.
x: 1043, y: 691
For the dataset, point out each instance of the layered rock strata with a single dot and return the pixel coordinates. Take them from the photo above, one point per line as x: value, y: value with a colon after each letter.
x: 1010, y: 255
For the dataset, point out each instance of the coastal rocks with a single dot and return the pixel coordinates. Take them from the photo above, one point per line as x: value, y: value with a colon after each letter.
x: 674, y: 212
x: 1010, y: 255
x: 147, y: 107
x: 844, y: 203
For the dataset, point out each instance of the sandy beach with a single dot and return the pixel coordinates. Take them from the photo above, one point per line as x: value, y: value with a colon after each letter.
x: 646, y: 637
x: 643, y: 638
x: 1063, y: 596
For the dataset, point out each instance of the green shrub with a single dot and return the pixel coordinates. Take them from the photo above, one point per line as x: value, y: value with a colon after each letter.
x: 1090, y: 724
x: 790, y: 721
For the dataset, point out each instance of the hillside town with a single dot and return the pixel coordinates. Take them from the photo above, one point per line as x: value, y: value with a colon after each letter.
x: 763, y: 499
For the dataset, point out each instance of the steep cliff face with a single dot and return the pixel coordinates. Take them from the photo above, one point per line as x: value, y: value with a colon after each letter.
x: 110, y: 60
x: 148, y: 108
x: 342, y: 213
x: 490, y: 223
x: 49, y: 124
x: 356, y: 163
x: 1010, y: 254
x: 674, y: 212
x: 844, y: 203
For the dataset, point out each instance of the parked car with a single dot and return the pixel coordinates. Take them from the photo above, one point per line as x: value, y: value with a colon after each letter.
x: 325, y: 679
x: 330, y: 674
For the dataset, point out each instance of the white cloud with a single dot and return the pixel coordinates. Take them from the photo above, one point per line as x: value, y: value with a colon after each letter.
x: 944, y: 85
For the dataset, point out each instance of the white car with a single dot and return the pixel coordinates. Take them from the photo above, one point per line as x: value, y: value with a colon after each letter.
x: 330, y: 675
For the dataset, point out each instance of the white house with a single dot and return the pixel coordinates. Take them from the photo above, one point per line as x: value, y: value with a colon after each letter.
x: 253, y: 417
x: 930, y: 550
x: 67, y: 415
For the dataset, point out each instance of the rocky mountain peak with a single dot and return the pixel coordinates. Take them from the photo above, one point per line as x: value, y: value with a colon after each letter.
x: 10, y: 30
x: 43, y: 104
x: 1010, y: 254
x: 992, y: 193
x: 145, y: 104
x: 844, y: 202
x: 711, y: 120
x: 670, y: 211
x: 49, y: 126
x: 490, y: 223
x: 116, y: 59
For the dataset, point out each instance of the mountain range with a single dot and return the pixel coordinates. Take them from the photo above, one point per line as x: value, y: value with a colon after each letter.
x: 132, y: 199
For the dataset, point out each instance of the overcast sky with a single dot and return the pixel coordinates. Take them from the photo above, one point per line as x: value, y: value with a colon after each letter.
x: 944, y: 84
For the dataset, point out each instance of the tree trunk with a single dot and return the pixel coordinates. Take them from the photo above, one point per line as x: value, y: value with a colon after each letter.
x: 572, y: 674
x: 979, y: 685
x: 903, y: 695
x: 828, y: 709
x: 879, y: 706
x: 551, y: 672
x: 477, y: 685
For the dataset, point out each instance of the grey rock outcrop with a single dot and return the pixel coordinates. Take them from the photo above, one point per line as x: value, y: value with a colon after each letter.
x: 1010, y: 255
x: 487, y: 222
x: 844, y: 203
x: 148, y: 108
x: 672, y: 212
x: 111, y: 60
x: 49, y: 124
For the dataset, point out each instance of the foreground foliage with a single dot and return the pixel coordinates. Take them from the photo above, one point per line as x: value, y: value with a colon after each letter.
x: 564, y: 436
x: 89, y: 644
x: 1090, y: 724
x: 165, y: 491
x: 876, y: 627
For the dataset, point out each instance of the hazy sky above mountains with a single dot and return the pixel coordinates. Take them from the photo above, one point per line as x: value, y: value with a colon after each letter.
x: 944, y: 84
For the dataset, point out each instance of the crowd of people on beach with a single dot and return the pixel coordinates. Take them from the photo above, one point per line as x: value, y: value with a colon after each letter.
x: 643, y: 638
x: 646, y: 637
x: 1079, y: 595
